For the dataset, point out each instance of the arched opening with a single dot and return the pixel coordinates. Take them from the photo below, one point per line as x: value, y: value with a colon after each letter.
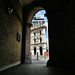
x: 41, y: 51
x: 34, y: 50
x: 40, y: 32
x: 37, y: 36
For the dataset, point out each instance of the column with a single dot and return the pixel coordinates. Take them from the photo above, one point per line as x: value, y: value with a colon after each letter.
x: 27, y: 45
x: 50, y: 35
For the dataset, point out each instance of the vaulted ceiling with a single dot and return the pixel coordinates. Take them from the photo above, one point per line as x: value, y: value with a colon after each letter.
x: 25, y: 2
x: 51, y: 5
x: 52, y: 2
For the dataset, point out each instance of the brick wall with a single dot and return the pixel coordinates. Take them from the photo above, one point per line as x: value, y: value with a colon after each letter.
x: 10, y: 48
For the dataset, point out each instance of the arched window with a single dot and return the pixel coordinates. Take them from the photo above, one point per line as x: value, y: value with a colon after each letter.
x: 34, y: 33
x: 40, y: 32
x: 34, y: 40
x: 40, y: 40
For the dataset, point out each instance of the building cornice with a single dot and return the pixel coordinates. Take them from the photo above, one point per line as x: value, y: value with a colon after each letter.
x: 38, y: 27
x: 39, y: 43
x: 38, y: 35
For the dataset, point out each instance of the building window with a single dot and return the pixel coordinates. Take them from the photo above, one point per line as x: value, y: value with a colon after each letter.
x: 40, y: 32
x: 40, y: 40
x: 42, y: 22
x: 36, y: 23
x: 34, y: 34
x: 34, y: 40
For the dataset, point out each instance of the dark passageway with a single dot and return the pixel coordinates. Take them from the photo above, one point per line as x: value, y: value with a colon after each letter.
x: 15, y: 23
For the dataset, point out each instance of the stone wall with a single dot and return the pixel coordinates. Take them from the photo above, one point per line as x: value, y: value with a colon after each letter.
x: 10, y: 48
x: 62, y: 37
x: 37, y: 37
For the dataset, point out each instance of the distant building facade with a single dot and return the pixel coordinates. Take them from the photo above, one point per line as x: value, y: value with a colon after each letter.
x: 38, y: 36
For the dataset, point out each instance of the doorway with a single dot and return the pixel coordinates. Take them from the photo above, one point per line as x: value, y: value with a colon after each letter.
x: 38, y: 29
x: 34, y: 50
x: 41, y: 51
x: 39, y: 36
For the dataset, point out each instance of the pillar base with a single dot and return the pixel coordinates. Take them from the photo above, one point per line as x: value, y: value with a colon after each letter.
x: 49, y: 63
x: 60, y: 64
x: 28, y: 60
x: 56, y: 64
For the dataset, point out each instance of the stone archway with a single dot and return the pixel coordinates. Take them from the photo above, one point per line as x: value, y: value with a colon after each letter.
x: 28, y: 25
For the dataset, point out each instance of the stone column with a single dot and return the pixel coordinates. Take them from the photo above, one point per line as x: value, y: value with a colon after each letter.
x: 60, y: 38
x: 27, y: 45
x: 49, y: 62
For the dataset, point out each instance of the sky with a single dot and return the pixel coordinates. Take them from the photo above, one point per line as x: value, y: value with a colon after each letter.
x: 41, y: 14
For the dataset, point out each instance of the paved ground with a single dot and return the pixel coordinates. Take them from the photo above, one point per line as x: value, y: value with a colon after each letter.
x: 35, y: 61
x: 37, y: 68
x: 41, y: 57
